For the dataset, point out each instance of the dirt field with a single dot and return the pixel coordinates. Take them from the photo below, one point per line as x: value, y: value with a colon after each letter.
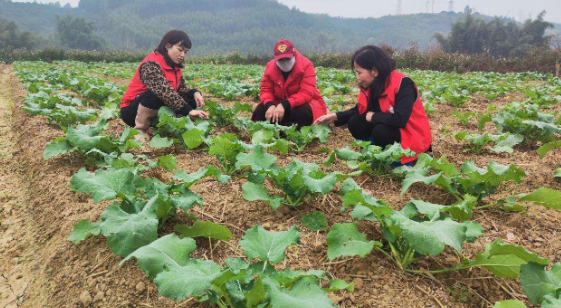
x: 40, y: 268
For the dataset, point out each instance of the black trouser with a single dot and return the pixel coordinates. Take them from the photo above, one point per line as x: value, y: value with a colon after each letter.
x: 301, y: 115
x: 148, y: 100
x: 380, y: 134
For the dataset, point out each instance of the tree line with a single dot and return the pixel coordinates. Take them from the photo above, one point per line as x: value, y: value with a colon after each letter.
x: 496, y: 37
x: 220, y: 27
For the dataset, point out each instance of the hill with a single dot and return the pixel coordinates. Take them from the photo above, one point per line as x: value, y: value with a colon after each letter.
x: 223, y: 26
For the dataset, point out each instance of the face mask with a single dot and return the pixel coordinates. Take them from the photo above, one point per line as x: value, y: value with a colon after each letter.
x: 286, y: 65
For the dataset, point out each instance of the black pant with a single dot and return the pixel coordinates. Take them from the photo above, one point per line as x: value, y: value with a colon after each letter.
x: 381, y: 134
x: 301, y: 115
x: 148, y: 100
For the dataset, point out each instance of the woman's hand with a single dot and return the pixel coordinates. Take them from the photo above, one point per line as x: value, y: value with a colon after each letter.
x: 326, y: 119
x: 278, y: 114
x: 198, y: 114
x: 369, y: 116
x: 199, y: 100
x: 270, y: 112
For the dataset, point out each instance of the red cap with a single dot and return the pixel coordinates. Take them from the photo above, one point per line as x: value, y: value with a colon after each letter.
x: 283, y: 50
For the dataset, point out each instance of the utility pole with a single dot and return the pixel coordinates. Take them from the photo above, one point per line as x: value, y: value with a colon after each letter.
x: 399, y: 7
x: 451, y: 6
x: 433, y: 6
x: 428, y: 1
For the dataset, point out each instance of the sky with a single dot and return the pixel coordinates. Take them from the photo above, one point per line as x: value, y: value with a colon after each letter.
x: 517, y: 9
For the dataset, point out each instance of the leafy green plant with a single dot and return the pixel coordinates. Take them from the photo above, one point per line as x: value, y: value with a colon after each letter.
x: 90, y: 142
x: 297, y: 181
x: 183, y: 129
x: 373, y: 160
x: 470, y: 180
x: 477, y: 142
x: 224, y: 116
x: 166, y: 261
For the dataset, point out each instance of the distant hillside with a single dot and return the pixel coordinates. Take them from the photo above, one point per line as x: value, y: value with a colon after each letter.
x: 223, y: 26
x: 36, y: 17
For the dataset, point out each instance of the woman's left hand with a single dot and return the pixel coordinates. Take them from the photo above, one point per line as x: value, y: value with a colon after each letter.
x: 278, y: 114
x: 369, y: 116
x: 199, y: 100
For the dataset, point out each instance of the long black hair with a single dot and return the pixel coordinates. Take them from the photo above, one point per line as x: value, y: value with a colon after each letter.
x: 173, y: 37
x: 371, y: 57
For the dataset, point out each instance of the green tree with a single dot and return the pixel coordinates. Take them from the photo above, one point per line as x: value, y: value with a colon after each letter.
x: 12, y: 38
x: 475, y: 36
x: 77, y: 33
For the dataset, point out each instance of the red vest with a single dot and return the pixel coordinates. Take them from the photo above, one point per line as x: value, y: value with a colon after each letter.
x: 416, y: 135
x: 136, y: 87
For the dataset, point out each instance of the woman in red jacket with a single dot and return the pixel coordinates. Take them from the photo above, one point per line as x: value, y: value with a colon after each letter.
x: 157, y: 82
x: 389, y: 106
x: 289, y: 94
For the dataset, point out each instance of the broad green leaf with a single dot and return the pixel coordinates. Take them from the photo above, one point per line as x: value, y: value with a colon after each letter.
x: 504, y: 260
x: 56, y: 147
x: 315, y: 221
x: 257, y: 294
x: 257, y: 160
x: 127, y: 232
x: 192, y: 278
x: 548, y: 147
x: 340, y: 284
x: 537, y: 283
x: 412, y: 178
x: 473, y: 231
x: 254, y: 192
x: 557, y: 173
x: 190, y: 178
x: 85, y: 137
x: 431, y: 237
x: 348, y: 154
x: 304, y: 294
x: 236, y: 265
x: 506, y: 144
x: 266, y: 245
x: 83, y: 230
x: 158, y: 142
x: 289, y: 277
x: 510, y: 304
x: 167, y: 162
x: 544, y: 196
x: 329, y: 160
x: 551, y: 302
x: 462, y: 210
x: 186, y: 200
x: 205, y: 229
x: 193, y: 138
x: 318, y: 182
x: 358, y: 197
x: 346, y: 240
x: 166, y: 252
x: 348, y: 185
x: 262, y: 137
x: 104, y: 184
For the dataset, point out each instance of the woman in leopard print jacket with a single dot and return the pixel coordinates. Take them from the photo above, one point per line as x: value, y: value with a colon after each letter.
x: 157, y: 82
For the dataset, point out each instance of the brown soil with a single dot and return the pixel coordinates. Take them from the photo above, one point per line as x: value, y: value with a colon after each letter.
x: 41, y: 268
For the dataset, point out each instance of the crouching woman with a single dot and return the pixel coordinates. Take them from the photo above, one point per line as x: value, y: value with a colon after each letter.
x: 389, y: 107
x: 157, y: 82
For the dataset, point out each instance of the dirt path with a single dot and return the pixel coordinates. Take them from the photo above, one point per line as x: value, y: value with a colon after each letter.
x: 20, y: 237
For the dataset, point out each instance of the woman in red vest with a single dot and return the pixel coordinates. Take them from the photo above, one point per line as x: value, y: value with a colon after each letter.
x: 389, y: 106
x: 157, y: 82
x: 289, y: 94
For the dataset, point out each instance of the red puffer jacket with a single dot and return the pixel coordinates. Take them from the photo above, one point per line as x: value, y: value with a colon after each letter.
x: 300, y: 87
